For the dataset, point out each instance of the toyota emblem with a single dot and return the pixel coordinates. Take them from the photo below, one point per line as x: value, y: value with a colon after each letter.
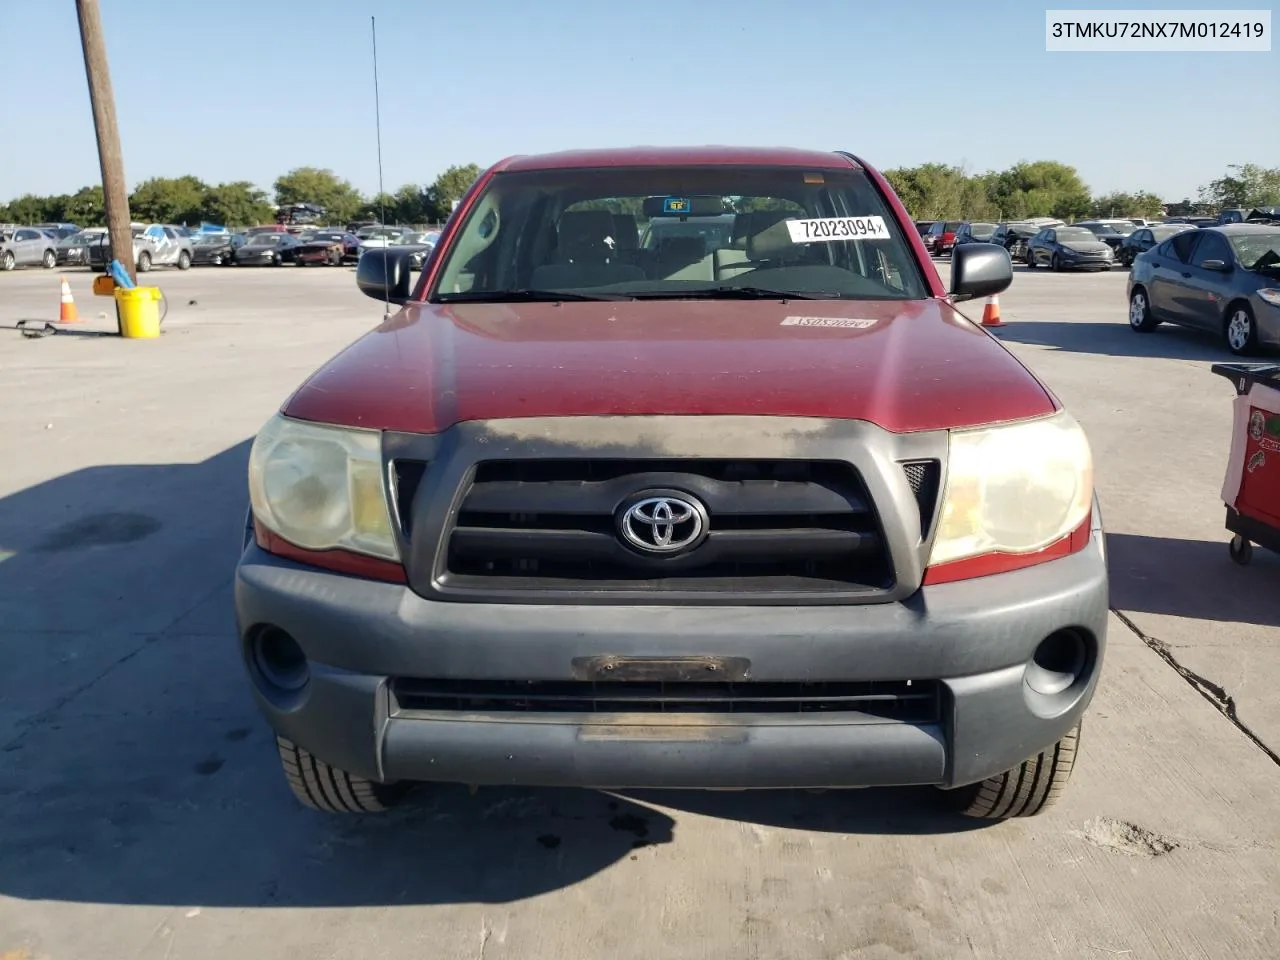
x: 663, y: 524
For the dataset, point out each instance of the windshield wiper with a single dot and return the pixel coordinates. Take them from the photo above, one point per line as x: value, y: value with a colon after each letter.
x: 736, y: 293
x: 526, y: 296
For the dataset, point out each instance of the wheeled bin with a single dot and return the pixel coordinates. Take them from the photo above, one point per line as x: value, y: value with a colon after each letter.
x: 1251, y: 490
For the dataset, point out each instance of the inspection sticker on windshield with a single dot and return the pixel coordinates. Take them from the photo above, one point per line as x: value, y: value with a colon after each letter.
x: 827, y: 229
x: 857, y: 323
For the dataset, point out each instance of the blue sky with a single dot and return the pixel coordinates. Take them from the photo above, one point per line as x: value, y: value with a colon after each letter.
x: 247, y: 89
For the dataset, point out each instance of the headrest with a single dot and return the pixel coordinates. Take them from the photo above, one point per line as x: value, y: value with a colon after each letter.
x: 587, y: 236
x: 688, y: 249
x: 769, y: 238
x: 741, y: 228
x: 625, y: 231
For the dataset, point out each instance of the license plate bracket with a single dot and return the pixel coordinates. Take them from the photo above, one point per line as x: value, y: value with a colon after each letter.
x: 661, y: 669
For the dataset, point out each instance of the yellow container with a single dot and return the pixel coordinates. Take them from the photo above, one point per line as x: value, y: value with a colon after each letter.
x: 138, y: 311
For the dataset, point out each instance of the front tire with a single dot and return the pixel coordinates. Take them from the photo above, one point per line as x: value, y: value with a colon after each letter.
x: 7, y: 261
x: 1140, y: 318
x: 1240, y: 330
x: 1055, y: 263
x: 1028, y: 789
x: 321, y: 787
x: 50, y: 260
x: 1030, y: 259
x: 184, y: 261
x: 144, y: 262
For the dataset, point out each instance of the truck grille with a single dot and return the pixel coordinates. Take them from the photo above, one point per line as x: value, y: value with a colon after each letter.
x: 787, y: 527
x: 909, y: 701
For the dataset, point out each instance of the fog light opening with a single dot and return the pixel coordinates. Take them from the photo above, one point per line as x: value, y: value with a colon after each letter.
x: 279, y: 660
x: 1058, y: 662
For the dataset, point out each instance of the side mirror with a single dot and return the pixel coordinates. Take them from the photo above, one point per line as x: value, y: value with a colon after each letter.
x: 980, y: 270
x: 1220, y: 266
x: 383, y: 274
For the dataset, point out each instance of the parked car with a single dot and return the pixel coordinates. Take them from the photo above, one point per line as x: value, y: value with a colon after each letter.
x: 1144, y: 238
x: 522, y: 533
x: 421, y: 245
x: 214, y: 249
x: 27, y: 247
x: 1195, y: 221
x: 59, y: 230
x: 1225, y: 280
x: 154, y: 245
x: 941, y: 237
x: 1068, y: 248
x: 266, y: 228
x: 922, y: 227
x: 1013, y: 236
x: 327, y: 247
x: 973, y: 232
x: 73, y: 251
x: 1110, y: 232
x: 267, y: 250
x: 373, y: 238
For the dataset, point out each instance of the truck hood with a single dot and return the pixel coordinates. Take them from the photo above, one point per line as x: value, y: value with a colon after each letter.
x: 906, y: 366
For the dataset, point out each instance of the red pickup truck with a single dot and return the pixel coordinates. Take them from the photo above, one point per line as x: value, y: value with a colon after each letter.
x: 746, y: 510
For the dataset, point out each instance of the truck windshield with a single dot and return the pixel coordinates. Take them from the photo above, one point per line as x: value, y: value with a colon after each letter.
x: 672, y: 232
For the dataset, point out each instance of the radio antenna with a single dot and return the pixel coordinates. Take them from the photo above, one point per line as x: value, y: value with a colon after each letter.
x: 382, y: 196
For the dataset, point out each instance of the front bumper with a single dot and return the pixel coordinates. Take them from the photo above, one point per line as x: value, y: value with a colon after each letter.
x: 975, y: 638
x: 1080, y: 263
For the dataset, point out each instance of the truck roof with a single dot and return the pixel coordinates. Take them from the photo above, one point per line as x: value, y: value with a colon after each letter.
x: 679, y: 157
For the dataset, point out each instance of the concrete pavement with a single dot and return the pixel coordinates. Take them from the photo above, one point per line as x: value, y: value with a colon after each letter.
x: 144, y: 814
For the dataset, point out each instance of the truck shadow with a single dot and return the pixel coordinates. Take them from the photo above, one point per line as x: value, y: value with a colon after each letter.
x: 135, y: 769
x: 1192, y: 578
x: 1114, y: 339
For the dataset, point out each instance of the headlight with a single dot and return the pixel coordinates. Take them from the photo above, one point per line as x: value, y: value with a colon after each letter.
x: 320, y: 487
x: 1014, y: 489
x: 1271, y: 295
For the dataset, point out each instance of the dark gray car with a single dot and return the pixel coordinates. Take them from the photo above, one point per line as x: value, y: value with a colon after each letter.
x: 1069, y: 248
x: 1221, y: 279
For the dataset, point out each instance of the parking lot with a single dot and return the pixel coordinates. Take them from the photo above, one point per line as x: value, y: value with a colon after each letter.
x: 144, y: 813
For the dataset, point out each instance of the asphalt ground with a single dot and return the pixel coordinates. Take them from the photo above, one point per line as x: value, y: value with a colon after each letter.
x: 143, y: 813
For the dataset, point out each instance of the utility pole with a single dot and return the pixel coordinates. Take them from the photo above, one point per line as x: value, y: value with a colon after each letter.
x: 114, y: 193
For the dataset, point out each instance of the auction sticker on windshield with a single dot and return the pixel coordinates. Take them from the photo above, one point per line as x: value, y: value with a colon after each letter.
x: 837, y: 228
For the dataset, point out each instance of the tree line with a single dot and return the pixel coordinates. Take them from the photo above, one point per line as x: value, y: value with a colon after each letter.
x: 1045, y: 188
x: 190, y: 200
x: 931, y: 191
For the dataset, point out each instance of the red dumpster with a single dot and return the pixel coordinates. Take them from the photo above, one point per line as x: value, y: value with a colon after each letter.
x: 1251, y: 489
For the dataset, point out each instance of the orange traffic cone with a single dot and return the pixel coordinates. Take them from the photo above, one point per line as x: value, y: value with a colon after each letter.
x: 991, y: 312
x: 68, y: 313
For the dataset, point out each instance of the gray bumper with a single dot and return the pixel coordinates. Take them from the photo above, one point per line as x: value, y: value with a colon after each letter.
x: 975, y: 637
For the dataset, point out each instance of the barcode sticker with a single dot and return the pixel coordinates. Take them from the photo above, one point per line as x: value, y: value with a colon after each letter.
x: 858, y: 323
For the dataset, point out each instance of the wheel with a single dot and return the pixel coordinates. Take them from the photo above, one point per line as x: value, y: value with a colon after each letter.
x: 299, y: 263
x: 184, y: 260
x: 1027, y: 789
x: 1140, y: 318
x: 1240, y: 331
x: 1029, y: 258
x: 50, y: 260
x: 7, y: 261
x: 330, y: 790
x: 276, y: 260
x: 216, y: 260
x: 144, y: 262
x: 1055, y: 263
x: 1241, y: 550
